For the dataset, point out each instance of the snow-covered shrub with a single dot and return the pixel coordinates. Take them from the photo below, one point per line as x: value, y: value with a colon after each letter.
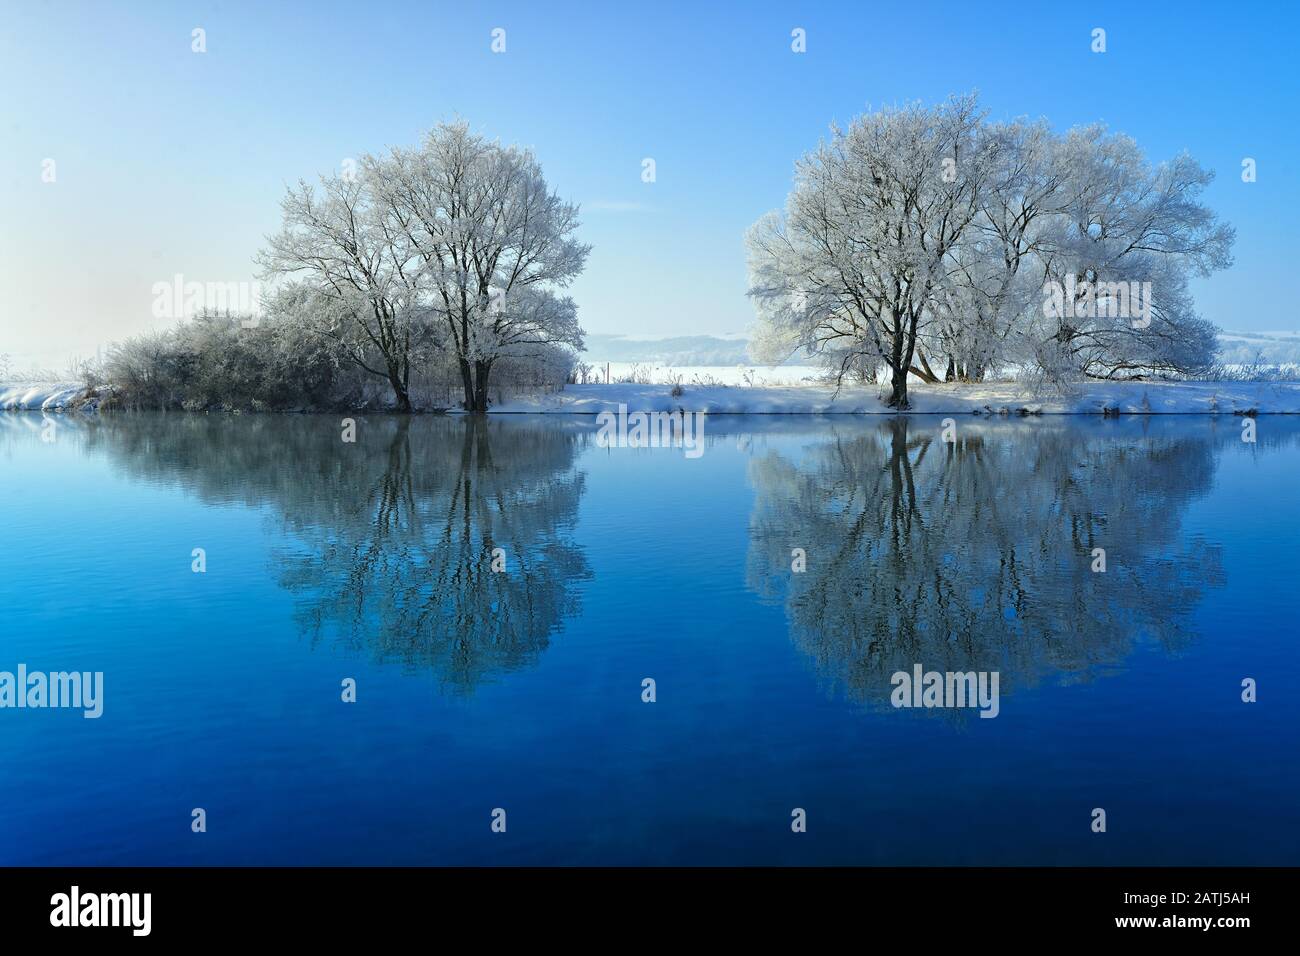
x: 224, y: 362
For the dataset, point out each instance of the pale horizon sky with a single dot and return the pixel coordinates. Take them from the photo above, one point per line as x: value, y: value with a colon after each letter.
x: 169, y: 161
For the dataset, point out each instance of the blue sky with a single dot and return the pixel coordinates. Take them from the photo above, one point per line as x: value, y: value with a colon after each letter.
x: 174, y: 162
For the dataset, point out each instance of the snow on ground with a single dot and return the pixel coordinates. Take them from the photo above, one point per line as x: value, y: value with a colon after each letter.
x: 44, y: 397
x: 787, y: 392
x: 990, y: 398
x: 657, y: 373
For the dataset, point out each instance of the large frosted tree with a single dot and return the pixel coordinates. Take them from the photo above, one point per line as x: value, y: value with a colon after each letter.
x: 925, y: 242
x: 852, y: 268
x: 348, y: 277
x: 494, y: 246
x: 458, y: 244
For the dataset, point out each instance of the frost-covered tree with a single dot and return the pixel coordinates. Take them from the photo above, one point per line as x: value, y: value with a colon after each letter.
x: 493, y: 243
x: 1126, y: 224
x: 851, y: 269
x: 930, y: 242
x: 457, y: 245
x: 353, y: 277
x: 996, y: 276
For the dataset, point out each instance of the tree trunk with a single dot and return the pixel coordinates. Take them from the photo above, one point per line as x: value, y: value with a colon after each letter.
x: 467, y: 382
x: 901, y: 361
x: 481, y: 370
x: 898, y: 379
x: 400, y: 392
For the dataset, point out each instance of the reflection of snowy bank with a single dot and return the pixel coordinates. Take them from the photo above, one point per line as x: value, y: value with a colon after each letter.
x: 1157, y: 398
x: 42, y: 397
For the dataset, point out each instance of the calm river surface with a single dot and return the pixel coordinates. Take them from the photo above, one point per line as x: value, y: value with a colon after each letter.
x: 522, y: 689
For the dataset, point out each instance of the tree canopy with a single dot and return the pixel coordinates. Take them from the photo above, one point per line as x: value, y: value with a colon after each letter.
x: 935, y: 243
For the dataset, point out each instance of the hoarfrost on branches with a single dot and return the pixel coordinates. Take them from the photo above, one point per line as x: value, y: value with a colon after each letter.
x: 932, y: 243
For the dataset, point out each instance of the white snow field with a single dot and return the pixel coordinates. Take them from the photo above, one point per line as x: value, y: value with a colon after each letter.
x: 655, y: 373
x: 1155, y: 398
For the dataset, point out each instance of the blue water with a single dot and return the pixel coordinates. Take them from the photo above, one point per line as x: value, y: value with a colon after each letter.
x: 522, y: 690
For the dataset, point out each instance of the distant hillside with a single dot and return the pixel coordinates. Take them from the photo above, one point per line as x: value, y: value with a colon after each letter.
x: 680, y: 350
x: 1264, y: 348
x: 1235, y: 348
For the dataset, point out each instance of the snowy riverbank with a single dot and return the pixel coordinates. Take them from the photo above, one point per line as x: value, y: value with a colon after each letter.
x: 47, y: 396
x: 1009, y: 398
x: 1156, y: 398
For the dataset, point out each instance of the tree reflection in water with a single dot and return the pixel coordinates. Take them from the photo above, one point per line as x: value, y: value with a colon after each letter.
x: 393, y: 535
x: 978, y: 554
